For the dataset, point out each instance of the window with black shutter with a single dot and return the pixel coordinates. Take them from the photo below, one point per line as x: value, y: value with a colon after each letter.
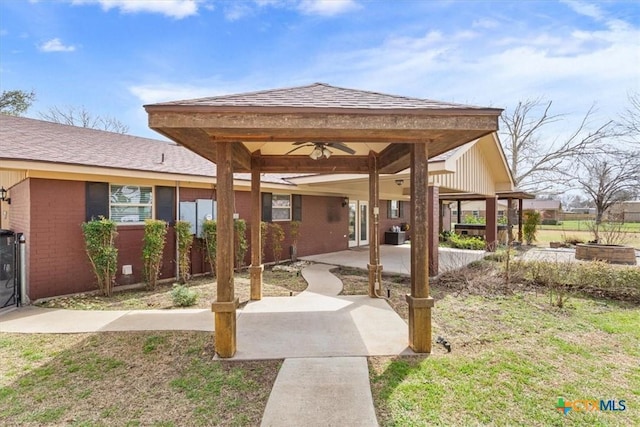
x: 166, y: 204
x: 97, y: 200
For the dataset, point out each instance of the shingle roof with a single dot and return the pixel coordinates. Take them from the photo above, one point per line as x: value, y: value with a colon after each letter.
x: 37, y: 140
x: 319, y: 95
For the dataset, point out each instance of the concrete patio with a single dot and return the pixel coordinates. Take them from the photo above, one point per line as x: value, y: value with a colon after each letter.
x: 397, y: 259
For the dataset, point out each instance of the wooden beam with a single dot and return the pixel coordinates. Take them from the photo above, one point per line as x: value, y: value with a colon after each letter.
x: 305, y: 164
x: 225, y: 305
x: 394, y: 158
x: 241, y: 158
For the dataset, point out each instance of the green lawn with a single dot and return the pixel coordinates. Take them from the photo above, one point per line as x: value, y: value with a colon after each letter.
x: 633, y: 227
x: 512, y: 358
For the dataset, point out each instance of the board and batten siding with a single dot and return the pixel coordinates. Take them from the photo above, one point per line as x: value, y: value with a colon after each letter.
x: 476, y: 177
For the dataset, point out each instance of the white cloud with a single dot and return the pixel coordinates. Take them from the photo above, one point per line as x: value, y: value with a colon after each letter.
x: 164, y: 92
x: 177, y: 9
x: 587, y: 9
x: 327, y: 7
x: 56, y: 45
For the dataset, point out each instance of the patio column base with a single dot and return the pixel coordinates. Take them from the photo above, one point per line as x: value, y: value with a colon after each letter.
x: 225, y: 327
x: 256, y: 281
x: 375, y: 273
x: 420, y: 323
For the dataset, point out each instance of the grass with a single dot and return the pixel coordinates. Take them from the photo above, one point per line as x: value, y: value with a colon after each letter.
x: 633, y: 227
x: 105, y: 379
x: 545, y: 235
x: 513, y: 355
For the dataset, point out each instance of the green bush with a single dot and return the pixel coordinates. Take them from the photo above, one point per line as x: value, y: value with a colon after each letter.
x: 155, y: 232
x: 277, y: 237
x: 182, y: 296
x: 550, y: 222
x: 210, y: 236
x: 99, y: 237
x: 463, y: 242
x: 185, y: 240
x: 530, y: 227
x: 471, y: 219
x: 241, y: 244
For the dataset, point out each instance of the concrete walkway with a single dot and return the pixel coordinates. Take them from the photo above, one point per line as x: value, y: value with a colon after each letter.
x: 324, y: 339
x: 397, y: 259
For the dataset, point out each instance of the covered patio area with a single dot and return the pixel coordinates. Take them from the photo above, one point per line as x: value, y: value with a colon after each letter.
x: 321, y: 129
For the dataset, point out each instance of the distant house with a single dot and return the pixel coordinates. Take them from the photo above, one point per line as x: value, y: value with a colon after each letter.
x: 628, y: 211
x: 549, y: 210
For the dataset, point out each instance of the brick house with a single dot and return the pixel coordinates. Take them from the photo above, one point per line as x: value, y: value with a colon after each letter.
x: 59, y: 176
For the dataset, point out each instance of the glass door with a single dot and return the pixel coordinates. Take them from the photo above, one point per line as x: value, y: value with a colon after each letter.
x: 358, y: 223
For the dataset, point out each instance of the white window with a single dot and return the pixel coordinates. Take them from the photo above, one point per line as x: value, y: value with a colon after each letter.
x: 394, y: 209
x: 280, y: 207
x: 130, y: 204
x: 476, y: 214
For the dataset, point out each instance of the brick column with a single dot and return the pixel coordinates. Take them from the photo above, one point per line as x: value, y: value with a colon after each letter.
x: 491, y: 232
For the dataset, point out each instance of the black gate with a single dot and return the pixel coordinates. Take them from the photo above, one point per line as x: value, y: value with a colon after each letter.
x: 8, y: 269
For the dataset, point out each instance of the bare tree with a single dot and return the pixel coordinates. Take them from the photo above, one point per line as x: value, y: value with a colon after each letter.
x: 81, y: 117
x: 535, y: 163
x: 16, y: 102
x: 629, y: 121
x: 608, y: 178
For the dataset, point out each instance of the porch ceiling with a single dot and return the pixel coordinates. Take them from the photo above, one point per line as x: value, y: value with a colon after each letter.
x: 265, y: 125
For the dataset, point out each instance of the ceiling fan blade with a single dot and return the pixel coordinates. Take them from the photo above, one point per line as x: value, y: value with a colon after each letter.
x: 301, y: 142
x: 295, y: 149
x: 340, y: 146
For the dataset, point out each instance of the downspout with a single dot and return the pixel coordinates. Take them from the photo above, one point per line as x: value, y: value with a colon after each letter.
x: 24, y: 298
x: 176, y: 234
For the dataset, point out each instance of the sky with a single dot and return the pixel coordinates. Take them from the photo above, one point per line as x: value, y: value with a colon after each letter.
x: 114, y: 56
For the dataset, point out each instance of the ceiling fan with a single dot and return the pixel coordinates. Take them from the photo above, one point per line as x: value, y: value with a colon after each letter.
x: 321, y: 149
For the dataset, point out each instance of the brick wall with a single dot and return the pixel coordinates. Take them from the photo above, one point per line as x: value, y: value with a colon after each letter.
x: 20, y: 214
x: 58, y: 263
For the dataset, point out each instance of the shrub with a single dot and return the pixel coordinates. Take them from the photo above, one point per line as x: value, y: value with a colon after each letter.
x: 471, y: 219
x: 264, y: 233
x: 241, y: 245
x: 185, y: 240
x: 99, y: 237
x: 155, y: 232
x: 182, y: 296
x: 277, y: 237
x: 210, y: 236
x: 530, y: 227
x: 462, y: 242
x: 593, y: 278
x: 549, y: 222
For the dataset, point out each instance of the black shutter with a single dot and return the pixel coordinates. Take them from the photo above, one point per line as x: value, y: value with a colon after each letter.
x: 266, y: 207
x: 97, y: 200
x: 400, y: 209
x: 296, y: 202
x: 389, y: 216
x: 166, y: 204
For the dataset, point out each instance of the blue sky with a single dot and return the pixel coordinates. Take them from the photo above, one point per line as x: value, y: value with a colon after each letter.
x: 113, y: 56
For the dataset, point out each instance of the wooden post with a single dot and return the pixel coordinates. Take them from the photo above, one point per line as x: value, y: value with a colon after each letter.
x: 520, y: 204
x: 375, y: 268
x: 509, y: 221
x: 433, y: 203
x: 420, y: 303
x: 225, y: 305
x: 491, y: 227
x: 256, y: 268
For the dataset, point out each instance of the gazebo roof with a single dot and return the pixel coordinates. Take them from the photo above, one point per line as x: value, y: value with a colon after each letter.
x: 265, y: 126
